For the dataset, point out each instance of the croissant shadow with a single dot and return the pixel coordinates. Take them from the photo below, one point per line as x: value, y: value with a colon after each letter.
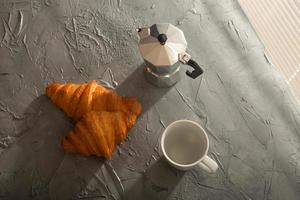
x: 38, y: 161
x: 37, y: 153
x: 136, y: 85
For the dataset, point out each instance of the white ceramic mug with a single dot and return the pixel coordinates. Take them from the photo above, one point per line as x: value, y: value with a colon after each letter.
x: 184, y: 144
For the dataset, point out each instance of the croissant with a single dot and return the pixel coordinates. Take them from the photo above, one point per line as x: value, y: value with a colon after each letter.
x: 98, y: 133
x: 77, y: 99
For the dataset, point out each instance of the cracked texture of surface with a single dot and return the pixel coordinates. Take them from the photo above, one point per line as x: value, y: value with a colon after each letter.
x: 241, y: 100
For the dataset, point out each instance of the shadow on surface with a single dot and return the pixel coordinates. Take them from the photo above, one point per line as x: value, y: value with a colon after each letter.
x: 37, y: 153
x: 136, y: 85
x: 36, y: 165
x: 158, y: 182
x: 43, y: 168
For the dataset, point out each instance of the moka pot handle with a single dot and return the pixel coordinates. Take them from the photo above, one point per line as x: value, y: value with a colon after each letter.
x: 185, y: 58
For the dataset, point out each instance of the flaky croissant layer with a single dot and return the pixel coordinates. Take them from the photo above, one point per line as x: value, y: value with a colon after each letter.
x: 77, y: 99
x: 103, y: 117
x: 98, y: 133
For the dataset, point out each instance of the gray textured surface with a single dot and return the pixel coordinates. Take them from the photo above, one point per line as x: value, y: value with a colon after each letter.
x: 252, y: 119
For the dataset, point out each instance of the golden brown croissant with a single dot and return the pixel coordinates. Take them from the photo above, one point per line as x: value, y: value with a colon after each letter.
x: 98, y: 133
x: 78, y: 99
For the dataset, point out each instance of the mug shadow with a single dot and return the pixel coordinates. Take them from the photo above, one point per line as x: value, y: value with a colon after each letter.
x: 157, y: 182
x: 136, y: 85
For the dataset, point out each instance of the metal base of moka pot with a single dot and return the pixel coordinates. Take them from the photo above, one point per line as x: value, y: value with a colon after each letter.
x: 162, y: 80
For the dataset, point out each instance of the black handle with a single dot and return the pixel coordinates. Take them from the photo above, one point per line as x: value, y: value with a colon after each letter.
x: 197, y: 69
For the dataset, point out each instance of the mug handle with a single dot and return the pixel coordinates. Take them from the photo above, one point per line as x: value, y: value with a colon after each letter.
x: 208, y: 164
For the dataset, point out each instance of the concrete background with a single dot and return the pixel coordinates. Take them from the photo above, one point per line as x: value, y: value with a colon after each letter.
x: 241, y: 100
